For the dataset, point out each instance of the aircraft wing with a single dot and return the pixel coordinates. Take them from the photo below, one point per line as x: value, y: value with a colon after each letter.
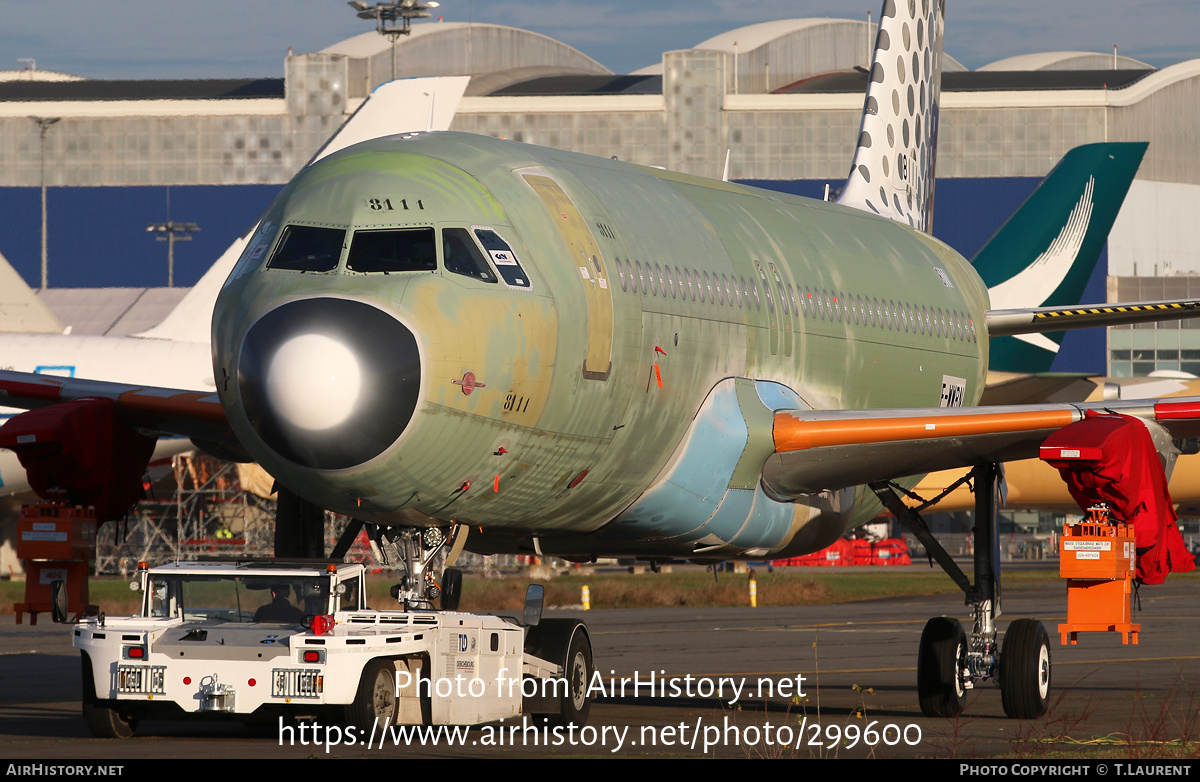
x: 1003, y: 323
x: 1011, y: 388
x: 820, y: 450
x: 158, y: 411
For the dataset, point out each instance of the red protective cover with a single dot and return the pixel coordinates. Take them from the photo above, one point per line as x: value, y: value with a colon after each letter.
x: 1129, y: 477
x: 84, y: 448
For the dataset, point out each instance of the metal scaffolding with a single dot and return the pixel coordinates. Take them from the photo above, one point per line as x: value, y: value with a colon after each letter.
x: 208, y: 513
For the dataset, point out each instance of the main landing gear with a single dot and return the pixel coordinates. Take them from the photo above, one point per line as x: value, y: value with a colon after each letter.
x: 950, y: 660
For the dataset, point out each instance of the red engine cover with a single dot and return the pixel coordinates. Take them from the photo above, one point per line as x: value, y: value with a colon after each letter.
x: 1111, y: 458
x: 83, y: 448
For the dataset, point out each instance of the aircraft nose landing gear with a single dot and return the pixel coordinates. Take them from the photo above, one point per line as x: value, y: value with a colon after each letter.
x: 949, y: 660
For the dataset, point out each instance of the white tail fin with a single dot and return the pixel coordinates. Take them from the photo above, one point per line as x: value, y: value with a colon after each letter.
x: 21, y: 311
x: 892, y: 172
x: 401, y: 106
x: 191, y: 320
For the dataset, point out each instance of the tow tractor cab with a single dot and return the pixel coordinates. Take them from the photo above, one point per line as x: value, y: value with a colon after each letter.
x: 260, y: 639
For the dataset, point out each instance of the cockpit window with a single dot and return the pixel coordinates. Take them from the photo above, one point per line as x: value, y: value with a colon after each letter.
x: 504, y: 258
x: 393, y: 250
x: 462, y: 256
x: 307, y: 248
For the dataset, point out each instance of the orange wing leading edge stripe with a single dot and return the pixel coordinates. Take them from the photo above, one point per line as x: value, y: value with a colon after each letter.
x: 795, y: 434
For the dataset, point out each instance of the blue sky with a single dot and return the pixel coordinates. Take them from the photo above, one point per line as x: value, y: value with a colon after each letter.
x: 123, y: 39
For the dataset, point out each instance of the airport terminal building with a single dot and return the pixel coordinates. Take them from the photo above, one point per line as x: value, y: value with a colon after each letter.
x: 782, y: 99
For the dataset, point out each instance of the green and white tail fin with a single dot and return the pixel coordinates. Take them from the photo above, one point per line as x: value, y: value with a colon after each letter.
x: 1044, y: 255
x: 893, y: 168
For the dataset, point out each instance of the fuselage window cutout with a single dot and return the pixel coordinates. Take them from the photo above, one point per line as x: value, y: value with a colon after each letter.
x: 460, y: 255
x: 700, y: 283
x: 392, y: 250
x: 720, y: 289
x: 621, y: 273
x: 836, y: 305
x: 904, y: 316
x: 653, y: 279
x: 792, y: 295
x: 662, y: 279
x: 640, y: 276
x: 309, y: 248
x: 762, y: 276
x: 671, y: 280
x: 633, y: 283
x: 503, y: 257
x: 737, y: 291
x: 692, y: 283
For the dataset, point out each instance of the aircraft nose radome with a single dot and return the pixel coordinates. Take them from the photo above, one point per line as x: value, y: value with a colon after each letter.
x: 329, y: 383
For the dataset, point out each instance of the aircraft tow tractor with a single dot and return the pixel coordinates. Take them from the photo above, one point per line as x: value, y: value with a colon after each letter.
x: 264, y: 640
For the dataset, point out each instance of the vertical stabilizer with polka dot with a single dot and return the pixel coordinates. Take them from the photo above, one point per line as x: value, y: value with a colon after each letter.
x: 892, y: 172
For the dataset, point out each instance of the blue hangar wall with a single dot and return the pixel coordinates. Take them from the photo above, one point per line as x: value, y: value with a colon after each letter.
x: 97, y: 235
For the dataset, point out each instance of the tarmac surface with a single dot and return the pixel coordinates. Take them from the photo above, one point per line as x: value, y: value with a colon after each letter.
x: 857, y: 660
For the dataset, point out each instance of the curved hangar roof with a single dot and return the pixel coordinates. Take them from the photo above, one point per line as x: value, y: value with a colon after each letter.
x: 774, y: 54
x: 462, y: 49
x: 1066, y: 61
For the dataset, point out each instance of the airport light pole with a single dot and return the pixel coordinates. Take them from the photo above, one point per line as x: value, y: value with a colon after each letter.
x: 386, y: 16
x: 44, y: 124
x: 171, y: 232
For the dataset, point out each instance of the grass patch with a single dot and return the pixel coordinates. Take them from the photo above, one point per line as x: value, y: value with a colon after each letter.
x: 695, y: 588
